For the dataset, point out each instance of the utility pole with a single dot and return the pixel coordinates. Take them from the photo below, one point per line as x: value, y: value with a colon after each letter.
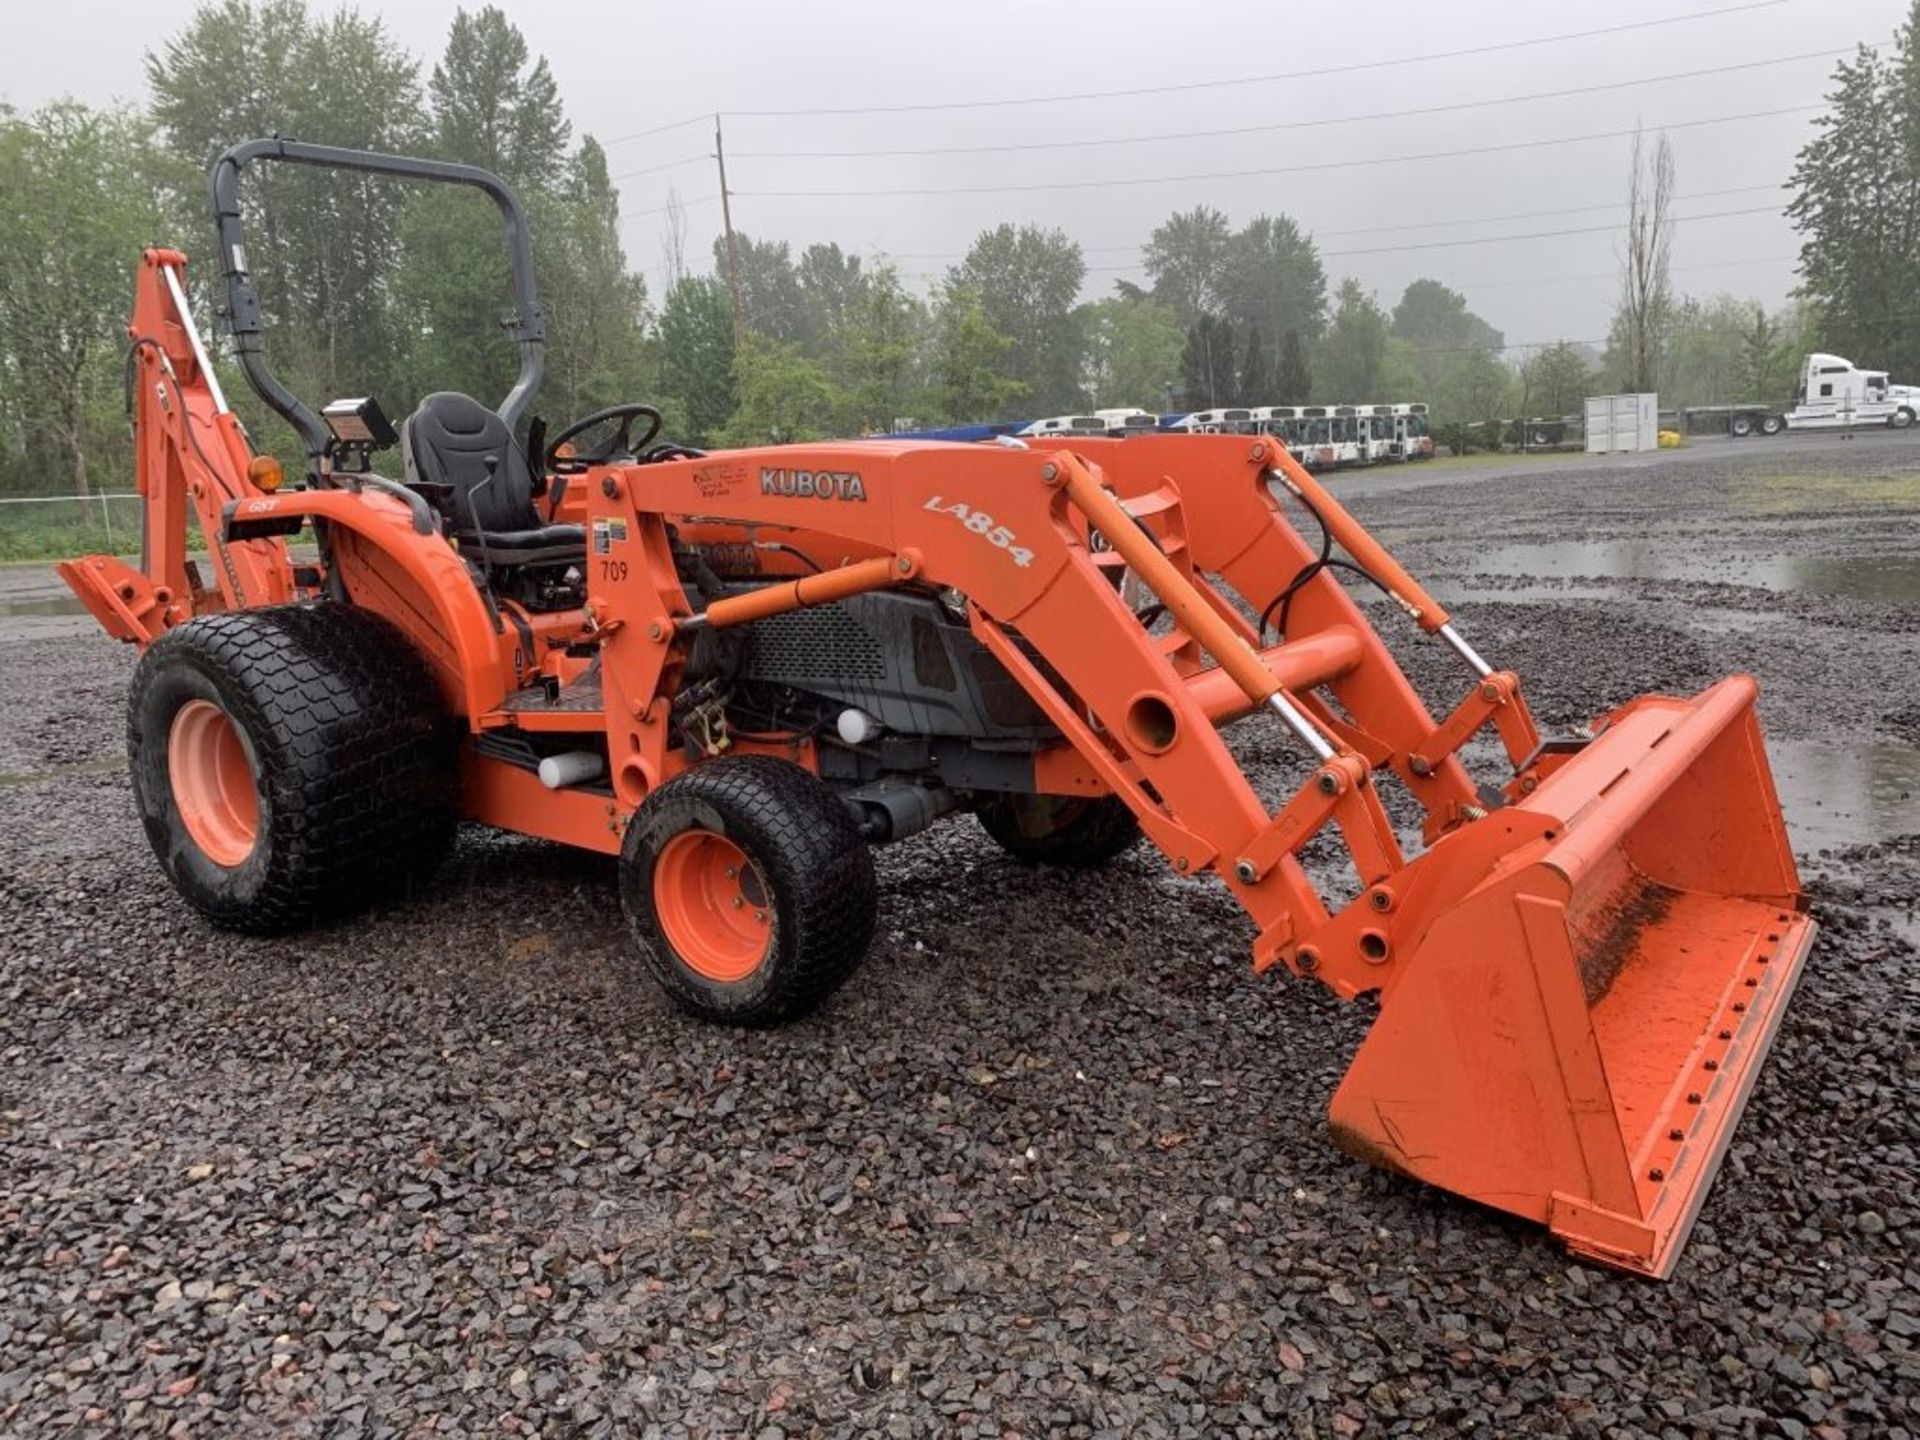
x: 733, y: 257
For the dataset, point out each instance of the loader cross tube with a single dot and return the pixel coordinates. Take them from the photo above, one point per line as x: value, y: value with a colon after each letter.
x: 1134, y: 546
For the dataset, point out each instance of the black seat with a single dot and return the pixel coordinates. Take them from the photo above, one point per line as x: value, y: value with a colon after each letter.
x: 447, y: 442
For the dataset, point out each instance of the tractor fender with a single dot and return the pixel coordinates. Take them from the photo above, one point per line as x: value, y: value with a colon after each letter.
x: 386, y: 564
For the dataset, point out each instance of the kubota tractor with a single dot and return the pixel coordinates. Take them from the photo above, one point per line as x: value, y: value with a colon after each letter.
x: 737, y: 671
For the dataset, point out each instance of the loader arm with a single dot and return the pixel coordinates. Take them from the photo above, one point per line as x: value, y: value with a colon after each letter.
x: 1581, y: 972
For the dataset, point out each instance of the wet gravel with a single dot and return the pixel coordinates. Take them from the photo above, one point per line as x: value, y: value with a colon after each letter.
x: 1053, y: 1163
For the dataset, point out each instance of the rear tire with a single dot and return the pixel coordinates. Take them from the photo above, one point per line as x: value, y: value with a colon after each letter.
x: 1772, y: 425
x: 1740, y: 426
x: 1061, y: 830
x: 289, y: 763
x: 750, y: 890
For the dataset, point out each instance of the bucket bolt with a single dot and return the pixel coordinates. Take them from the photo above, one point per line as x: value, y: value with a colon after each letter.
x: 1244, y: 872
x: 1309, y: 959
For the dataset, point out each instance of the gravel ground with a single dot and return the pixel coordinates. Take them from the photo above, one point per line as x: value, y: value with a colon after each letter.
x: 1053, y: 1163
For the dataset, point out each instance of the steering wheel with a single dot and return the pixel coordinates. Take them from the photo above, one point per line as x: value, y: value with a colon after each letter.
x: 620, y: 444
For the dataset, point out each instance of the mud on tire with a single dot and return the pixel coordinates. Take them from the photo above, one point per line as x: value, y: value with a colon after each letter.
x: 1060, y: 830
x: 787, y: 928
x: 337, y: 723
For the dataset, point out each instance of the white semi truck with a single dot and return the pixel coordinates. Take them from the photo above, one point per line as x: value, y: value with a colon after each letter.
x: 1834, y: 394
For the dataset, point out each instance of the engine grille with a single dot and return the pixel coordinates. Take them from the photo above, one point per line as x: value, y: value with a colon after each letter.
x: 811, y: 645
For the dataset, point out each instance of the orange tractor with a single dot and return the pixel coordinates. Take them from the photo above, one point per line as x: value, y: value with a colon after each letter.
x: 737, y: 671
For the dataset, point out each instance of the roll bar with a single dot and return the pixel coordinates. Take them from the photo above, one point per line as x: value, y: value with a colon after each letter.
x: 242, y: 312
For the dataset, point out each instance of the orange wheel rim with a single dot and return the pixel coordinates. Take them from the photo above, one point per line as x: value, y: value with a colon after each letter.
x: 713, y: 905
x: 212, y: 780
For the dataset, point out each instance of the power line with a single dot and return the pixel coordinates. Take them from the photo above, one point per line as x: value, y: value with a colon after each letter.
x: 656, y: 130
x: 1384, y: 229
x: 1541, y: 234
x: 1263, y: 171
x: 663, y: 165
x: 1309, y: 124
x: 1477, y: 286
x: 663, y: 209
x: 1314, y: 73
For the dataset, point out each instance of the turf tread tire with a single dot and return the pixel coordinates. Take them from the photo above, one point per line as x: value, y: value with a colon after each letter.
x: 354, y: 757
x: 825, y: 898
x: 1098, y: 833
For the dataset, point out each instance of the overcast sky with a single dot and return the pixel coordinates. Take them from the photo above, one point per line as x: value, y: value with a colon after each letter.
x: 629, y: 67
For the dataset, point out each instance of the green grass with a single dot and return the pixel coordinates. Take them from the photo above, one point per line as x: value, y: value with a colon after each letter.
x: 62, y: 542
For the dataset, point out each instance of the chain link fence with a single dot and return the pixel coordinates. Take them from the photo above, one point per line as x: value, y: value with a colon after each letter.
x: 35, y: 527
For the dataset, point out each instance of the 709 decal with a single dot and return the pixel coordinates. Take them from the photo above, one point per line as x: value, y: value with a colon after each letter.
x: 981, y: 524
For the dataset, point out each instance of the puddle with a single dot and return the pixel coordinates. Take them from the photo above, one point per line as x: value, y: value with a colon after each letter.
x: 1861, y: 577
x: 1836, y: 795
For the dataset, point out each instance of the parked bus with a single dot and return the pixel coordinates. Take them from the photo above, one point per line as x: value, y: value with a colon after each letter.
x: 1378, y: 434
x: 1410, y: 428
x: 1235, y: 420
x: 1316, y: 425
x: 1286, y: 423
x: 1348, y: 447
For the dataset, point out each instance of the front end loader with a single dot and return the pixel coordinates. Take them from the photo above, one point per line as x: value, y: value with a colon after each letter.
x: 738, y: 671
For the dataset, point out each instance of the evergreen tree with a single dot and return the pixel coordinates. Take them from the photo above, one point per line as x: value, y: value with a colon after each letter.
x: 697, y: 361
x: 970, y: 359
x: 1856, y: 203
x: 1293, y: 377
x: 493, y: 108
x: 1209, y: 376
x: 1257, y: 371
x: 1027, y: 282
x: 1353, y: 349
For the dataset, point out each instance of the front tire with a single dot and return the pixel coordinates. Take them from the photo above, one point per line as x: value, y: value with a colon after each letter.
x: 1900, y: 419
x: 1059, y: 829
x: 289, y: 763
x: 749, y: 888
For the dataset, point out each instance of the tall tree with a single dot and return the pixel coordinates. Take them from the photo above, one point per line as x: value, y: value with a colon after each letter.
x: 697, y: 362
x: 1554, y: 380
x: 1133, y: 352
x: 970, y: 359
x: 321, y: 244
x: 1209, y: 365
x: 1027, y: 281
x: 1272, y: 279
x: 497, y: 106
x: 1438, y: 328
x: 1186, y: 258
x: 1646, y: 296
x: 770, y: 290
x: 784, y: 396
x: 80, y: 188
x: 1292, y: 377
x: 596, y: 307
x: 1856, y: 203
x: 1257, y: 370
x: 1347, y: 368
x: 878, y: 356
x: 1765, y: 362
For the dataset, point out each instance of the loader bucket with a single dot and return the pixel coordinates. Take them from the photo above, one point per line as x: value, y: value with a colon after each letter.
x: 1574, y: 1039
